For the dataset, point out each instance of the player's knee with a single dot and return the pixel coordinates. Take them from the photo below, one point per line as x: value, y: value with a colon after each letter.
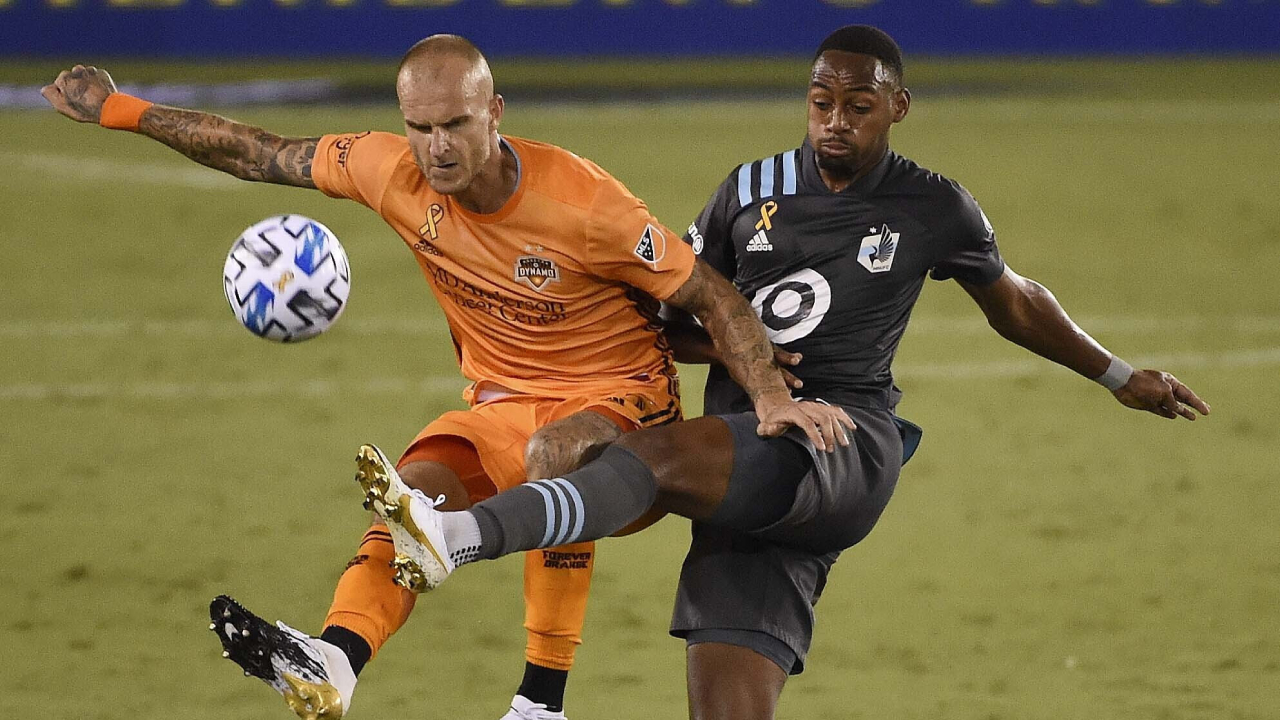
x: 663, y: 450
x: 435, y: 479
x: 568, y: 444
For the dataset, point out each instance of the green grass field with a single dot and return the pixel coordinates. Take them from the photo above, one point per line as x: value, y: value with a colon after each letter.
x: 1049, y: 555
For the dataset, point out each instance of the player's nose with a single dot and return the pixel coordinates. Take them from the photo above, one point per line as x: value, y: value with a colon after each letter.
x: 439, y: 143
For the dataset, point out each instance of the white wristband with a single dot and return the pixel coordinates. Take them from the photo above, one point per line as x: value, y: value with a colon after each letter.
x: 1117, y: 374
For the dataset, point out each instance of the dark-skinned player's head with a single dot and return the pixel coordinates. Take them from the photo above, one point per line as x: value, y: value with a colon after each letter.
x: 451, y: 113
x: 856, y: 94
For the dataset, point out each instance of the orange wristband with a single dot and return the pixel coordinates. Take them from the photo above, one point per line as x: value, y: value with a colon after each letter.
x: 122, y: 112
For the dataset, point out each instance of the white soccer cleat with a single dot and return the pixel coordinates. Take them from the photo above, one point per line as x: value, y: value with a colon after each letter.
x: 522, y: 708
x: 422, y: 557
x: 314, y: 676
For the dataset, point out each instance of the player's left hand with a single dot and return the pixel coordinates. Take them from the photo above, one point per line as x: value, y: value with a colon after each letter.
x: 825, y: 425
x: 1160, y: 393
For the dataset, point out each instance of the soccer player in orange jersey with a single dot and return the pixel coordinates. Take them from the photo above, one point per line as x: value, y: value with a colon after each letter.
x: 549, y: 272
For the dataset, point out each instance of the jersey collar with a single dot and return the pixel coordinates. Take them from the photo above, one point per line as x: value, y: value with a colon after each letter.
x: 863, y: 186
x: 512, y: 202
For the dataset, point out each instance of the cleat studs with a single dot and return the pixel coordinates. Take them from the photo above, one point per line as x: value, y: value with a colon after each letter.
x: 246, y: 673
x: 226, y: 614
x: 226, y: 654
x: 245, y: 632
x: 213, y: 626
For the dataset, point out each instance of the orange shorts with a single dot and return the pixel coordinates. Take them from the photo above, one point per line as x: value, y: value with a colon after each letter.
x: 485, y: 445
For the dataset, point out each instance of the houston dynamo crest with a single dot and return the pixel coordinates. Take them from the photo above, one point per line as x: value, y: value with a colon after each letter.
x: 876, y: 253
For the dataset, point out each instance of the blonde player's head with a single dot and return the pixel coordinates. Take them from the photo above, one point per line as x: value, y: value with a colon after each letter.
x: 451, y: 113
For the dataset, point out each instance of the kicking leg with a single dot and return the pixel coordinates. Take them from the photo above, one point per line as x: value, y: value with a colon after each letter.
x: 687, y: 468
x: 557, y: 581
x: 368, y: 606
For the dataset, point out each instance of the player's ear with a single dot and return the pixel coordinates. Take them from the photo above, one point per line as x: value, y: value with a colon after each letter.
x: 901, y: 104
x: 496, y: 106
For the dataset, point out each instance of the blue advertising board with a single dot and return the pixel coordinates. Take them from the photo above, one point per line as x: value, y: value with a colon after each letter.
x: 383, y: 28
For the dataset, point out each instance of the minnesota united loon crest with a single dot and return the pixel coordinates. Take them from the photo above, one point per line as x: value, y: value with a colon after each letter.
x: 876, y: 253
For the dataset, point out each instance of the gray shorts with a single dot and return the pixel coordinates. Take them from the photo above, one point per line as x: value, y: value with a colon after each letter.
x: 758, y: 589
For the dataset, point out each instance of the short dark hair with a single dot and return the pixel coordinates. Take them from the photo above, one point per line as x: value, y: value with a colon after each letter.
x: 866, y: 40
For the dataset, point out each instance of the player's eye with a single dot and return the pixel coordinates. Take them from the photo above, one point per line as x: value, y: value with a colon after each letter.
x: 822, y: 105
x: 862, y: 109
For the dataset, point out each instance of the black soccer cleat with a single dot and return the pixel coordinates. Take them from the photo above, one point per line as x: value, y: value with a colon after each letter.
x: 314, y: 677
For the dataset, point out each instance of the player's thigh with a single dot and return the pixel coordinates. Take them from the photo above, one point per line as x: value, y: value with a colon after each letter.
x: 481, y: 448
x: 691, y: 462
x: 731, y: 682
x: 741, y: 590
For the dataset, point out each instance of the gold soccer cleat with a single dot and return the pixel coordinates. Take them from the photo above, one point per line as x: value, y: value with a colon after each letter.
x: 422, y: 557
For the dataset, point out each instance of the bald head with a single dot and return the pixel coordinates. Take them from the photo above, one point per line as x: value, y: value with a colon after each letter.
x: 451, y: 113
x: 448, y: 60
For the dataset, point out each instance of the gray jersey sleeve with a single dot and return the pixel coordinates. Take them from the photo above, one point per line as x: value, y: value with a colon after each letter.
x: 972, y: 254
x: 710, y: 235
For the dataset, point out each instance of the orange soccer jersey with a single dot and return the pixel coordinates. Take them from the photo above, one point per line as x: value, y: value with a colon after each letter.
x: 541, y: 296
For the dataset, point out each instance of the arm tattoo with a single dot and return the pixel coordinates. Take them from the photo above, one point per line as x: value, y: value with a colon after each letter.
x: 246, y: 152
x: 734, y: 328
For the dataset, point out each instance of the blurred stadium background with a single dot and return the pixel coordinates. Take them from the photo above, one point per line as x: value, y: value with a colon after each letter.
x: 1049, y: 555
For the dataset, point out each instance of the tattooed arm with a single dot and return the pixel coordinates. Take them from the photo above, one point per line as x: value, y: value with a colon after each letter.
x: 746, y: 352
x: 246, y: 152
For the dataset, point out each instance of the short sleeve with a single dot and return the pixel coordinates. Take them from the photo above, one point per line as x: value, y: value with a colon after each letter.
x: 973, y: 256
x: 627, y: 244
x: 710, y: 234
x: 357, y: 166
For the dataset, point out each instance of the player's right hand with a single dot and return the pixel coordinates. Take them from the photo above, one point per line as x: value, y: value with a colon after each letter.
x: 79, y: 93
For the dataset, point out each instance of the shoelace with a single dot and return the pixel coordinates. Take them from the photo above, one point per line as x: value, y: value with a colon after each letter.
x: 427, y: 500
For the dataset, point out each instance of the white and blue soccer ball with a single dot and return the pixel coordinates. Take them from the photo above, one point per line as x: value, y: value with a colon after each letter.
x: 287, y: 278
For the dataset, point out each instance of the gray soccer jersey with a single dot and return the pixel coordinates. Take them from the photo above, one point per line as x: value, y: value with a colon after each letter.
x: 834, y: 275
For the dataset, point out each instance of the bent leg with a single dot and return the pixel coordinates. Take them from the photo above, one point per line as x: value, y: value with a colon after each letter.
x: 368, y: 607
x: 688, y: 468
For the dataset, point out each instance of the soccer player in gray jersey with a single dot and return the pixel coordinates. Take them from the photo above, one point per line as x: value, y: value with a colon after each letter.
x: 832, y: 243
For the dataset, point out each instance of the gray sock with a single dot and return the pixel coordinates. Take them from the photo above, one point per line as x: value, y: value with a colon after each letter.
x: 592, y: 502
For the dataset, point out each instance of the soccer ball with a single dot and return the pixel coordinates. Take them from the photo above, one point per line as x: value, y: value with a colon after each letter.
x: 287, y: 278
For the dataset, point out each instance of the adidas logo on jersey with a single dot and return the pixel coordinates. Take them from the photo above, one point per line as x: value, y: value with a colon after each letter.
x: 759, y: 243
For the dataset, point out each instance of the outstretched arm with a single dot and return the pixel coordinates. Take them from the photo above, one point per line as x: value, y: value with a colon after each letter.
x: 243, y: 151
x: 1024, y: 312
x: 744, y: 348
x: 692, y: 345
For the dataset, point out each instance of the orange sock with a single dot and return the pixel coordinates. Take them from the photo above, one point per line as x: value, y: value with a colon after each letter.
x: 367, y: 602
x: 556, y: 584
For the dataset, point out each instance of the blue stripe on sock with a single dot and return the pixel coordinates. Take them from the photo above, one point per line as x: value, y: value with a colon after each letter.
x: 578, y: 508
